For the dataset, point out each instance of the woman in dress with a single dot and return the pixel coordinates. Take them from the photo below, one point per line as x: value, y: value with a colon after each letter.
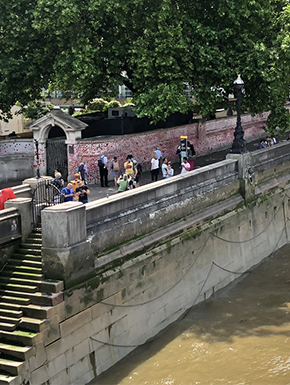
x: 115, y: 170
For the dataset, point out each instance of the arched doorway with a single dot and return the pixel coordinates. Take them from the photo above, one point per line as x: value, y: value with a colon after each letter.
x: 56, y: 152
x: 55, y: 135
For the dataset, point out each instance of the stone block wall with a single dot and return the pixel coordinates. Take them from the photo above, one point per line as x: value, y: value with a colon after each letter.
x: 127, y: 303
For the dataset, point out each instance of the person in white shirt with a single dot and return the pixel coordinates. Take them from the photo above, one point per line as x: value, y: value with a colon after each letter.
x: 154, y: 167
x: 185, y: 165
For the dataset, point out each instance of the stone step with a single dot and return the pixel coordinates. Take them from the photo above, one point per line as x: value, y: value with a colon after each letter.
x: 18, y: 337
x: 27, y: 257
x: 19, y: 281
x: 36, y: 298
x: 19, y: 352
x: 19, y: 288
x: 36, y: 311
x: 45, y: 299
x: 11, y: 313
x: 7, y: 326
x: 10, y: 366
x: 10, y: 306
x: 51, y: 286
x: 32, y: 324
x: 23, y: 268
x: 10, y: 320
x: 21, y: 274
x: 30, y: 246
x: 24, y: 262
x: 47, y: 286
x: 6, y: 379
x: 36, y: 234
x: 29, y: 250
x: 14, y: 299
x: 34, y: 240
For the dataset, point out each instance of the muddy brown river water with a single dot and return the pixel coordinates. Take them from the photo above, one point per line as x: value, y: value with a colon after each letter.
x: 240, y: 337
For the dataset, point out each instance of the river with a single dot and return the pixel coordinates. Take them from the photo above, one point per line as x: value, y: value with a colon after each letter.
x: 240, y: 337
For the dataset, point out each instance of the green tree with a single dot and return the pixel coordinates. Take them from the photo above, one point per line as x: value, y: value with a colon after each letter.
x: 154, y: 48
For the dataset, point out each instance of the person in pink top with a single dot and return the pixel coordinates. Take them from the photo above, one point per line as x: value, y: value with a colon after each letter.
x: 185, y: 165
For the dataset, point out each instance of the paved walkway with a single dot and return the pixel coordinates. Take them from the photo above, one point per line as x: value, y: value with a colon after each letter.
x: 98, y: 192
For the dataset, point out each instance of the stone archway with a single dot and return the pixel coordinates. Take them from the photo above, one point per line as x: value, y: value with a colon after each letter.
x: 71, y: 127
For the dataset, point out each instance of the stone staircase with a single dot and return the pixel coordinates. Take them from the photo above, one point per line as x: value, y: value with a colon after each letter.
x: 26, y: 299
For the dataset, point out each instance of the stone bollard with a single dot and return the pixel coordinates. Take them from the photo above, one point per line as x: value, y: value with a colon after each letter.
x: 65, y: 251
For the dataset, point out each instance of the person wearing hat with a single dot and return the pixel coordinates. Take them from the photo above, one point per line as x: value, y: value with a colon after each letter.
x: 115, y: 170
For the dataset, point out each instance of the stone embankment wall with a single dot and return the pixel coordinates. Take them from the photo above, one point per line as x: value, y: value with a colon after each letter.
x: 134, y: 263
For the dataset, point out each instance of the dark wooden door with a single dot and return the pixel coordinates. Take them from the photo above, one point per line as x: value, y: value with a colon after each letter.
x: 56, y: 157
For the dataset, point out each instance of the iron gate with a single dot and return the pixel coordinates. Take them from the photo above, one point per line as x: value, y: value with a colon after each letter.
x: 45, y: 195
x: 56, y: 157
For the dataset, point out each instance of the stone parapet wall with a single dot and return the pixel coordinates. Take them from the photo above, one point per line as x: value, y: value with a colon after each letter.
x: 107, y: 223
x: 126, y: 304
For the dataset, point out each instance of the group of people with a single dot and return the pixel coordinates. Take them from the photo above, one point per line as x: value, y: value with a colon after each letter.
x: 75, y: 190
x: 267, y: 142
x: 125, y: 176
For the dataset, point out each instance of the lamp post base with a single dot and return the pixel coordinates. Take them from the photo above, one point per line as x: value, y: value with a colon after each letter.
x: 238, y: 147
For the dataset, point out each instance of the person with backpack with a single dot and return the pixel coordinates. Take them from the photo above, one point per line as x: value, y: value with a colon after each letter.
x: 115, y: 170
x: 103, y: 163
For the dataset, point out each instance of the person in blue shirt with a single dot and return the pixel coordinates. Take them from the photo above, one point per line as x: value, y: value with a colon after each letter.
x: 68, y: 193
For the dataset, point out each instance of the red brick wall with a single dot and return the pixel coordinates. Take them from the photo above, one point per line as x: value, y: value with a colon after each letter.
x: 206, y: 137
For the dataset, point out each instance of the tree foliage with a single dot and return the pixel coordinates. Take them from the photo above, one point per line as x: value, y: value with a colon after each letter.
x: 152, y: 47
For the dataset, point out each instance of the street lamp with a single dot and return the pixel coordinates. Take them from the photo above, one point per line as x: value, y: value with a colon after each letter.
x: 239, y: 144
x: 37, y: 159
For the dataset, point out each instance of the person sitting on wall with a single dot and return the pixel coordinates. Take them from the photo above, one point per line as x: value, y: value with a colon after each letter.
x: 261, y: 144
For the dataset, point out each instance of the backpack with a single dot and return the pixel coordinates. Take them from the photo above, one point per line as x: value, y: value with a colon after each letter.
x: 100, y: 162
x: 116, y: 166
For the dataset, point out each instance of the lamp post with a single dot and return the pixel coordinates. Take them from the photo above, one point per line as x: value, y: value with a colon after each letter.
x: 239, y: 144
x: 37, y: 159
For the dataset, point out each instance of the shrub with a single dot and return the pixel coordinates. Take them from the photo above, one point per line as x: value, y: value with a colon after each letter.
x: 114, y: 104
x: 97, y: 105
